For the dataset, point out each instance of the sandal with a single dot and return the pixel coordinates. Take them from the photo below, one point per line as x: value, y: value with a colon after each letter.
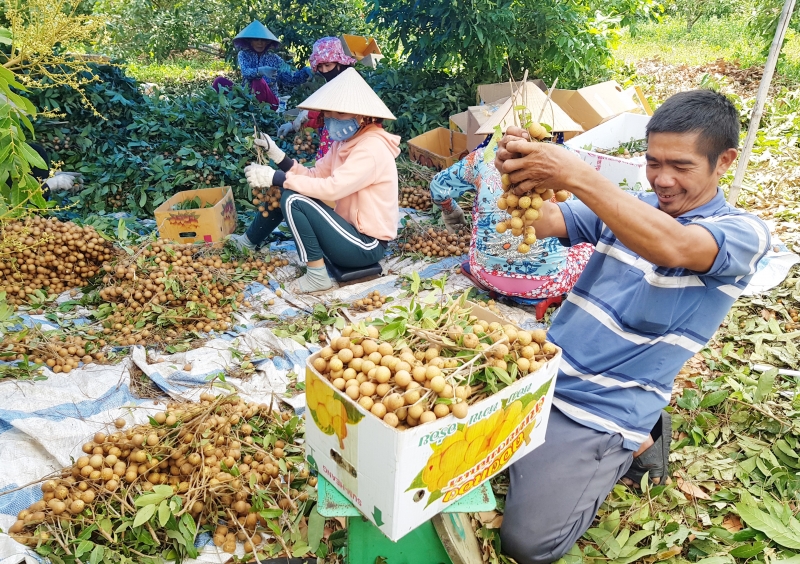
x: 655, y: 459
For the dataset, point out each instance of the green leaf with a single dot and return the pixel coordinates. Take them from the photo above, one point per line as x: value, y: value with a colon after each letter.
x: 316, y: 529
x: 163, y: 513
x: 605, y: 542
x: 714, y: 398
x: 97, y: 555
x: 144, y: 515
x: 765, y: 384
x: 749, y: 550
x: 768, y: 525
x: 715, y: 560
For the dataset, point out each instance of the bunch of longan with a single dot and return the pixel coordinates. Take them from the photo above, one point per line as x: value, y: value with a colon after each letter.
x: 526, y: 209
x: 267, y: 199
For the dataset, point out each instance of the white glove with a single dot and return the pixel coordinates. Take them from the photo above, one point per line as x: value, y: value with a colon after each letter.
x: 259, y: 176
x: 301, y: 118
x: 286, y: 129
x: 65, y: 182
x: 273, y: 151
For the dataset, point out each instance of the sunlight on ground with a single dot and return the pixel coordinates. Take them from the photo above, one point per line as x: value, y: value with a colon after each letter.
x: 709, y: 40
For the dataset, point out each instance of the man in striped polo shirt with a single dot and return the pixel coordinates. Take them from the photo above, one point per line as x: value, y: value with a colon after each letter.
x: 667, y: 268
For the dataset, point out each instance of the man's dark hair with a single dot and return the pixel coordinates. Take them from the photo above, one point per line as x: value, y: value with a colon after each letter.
x: 706, y: 112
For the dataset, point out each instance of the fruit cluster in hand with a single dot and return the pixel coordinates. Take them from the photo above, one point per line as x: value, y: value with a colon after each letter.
x: 223, y: 459
x: 437, y: 242
x: 526, y: 209
x: 38, y: 253
x: 425, y: 380
x: 267, y: 199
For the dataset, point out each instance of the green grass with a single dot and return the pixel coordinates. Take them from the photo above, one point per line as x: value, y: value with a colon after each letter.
x: 177, y: 69
x: 709, y: 40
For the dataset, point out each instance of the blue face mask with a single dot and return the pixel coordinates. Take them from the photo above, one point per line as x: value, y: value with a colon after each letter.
x: 341, y: 129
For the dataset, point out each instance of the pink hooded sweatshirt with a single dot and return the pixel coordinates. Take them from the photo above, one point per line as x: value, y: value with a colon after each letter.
x: 361, y: 175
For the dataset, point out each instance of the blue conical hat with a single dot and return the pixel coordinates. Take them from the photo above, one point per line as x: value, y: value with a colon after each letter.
x: 255, y: 30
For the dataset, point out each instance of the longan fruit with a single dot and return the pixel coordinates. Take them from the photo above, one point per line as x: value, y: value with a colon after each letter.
x: 391, y: 419
x: 383, y: 374
x: 438, y: 383
x: 366, y: 402
x: 402, y: 378
x: 460, y: 410
x: 427, y: 417
x: 441, y: 410
x: 379, y: 410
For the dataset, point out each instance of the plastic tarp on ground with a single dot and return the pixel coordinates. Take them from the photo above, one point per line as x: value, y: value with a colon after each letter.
x: 43, y: 424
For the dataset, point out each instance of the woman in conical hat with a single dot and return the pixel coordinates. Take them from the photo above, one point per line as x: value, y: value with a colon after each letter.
x: 358, y: 173
x: 262, y: 69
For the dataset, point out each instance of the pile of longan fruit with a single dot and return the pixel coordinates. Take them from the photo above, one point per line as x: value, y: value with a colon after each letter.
x: 410, y: 387
x: 415, y: 194
x: 38, y: 253
x: 267, y: 199
x: 176, y: 276
x: 210, y: 454
x: 61, y: 353
x: 373, y: 300
x: 437, y: 243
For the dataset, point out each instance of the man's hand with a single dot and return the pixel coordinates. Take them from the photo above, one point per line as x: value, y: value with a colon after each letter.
x: 273, y: 151
x: 532, y: 165
x: 259, y: 176
x: 503, y: 154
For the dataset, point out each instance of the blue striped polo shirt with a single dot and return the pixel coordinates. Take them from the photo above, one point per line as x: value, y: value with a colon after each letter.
x: 628, y: 326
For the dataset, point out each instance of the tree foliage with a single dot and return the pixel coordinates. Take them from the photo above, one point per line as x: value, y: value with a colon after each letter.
x: 476, y: 39
x: 33, y: 57
x: 157, y: 28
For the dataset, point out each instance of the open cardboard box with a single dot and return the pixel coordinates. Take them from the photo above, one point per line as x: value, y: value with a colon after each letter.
x: 207, y: 224
x: 438, y: 148
x: 400, y: 479
x: 631, y: 173
x: 363, y: 49
x: 458, y: 122
x: 592, y: 105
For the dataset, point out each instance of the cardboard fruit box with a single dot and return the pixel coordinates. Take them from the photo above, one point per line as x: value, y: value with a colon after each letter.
x: 592, y: 105
x: 401, y: 479
x: 206, y: 224
x: 438, y: 148
x: 363, y: 49
x: 630, y: 173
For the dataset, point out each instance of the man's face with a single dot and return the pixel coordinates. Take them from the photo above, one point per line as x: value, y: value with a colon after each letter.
x: 680, y: 173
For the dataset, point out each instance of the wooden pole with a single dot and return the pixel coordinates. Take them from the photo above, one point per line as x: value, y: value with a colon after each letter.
x: 761, y: 98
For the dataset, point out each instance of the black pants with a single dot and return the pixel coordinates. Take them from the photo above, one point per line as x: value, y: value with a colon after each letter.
x: 318, y: 230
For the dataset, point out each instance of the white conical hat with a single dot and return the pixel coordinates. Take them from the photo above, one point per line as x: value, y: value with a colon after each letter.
x: 350, y: 94
x: 533, y: 99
